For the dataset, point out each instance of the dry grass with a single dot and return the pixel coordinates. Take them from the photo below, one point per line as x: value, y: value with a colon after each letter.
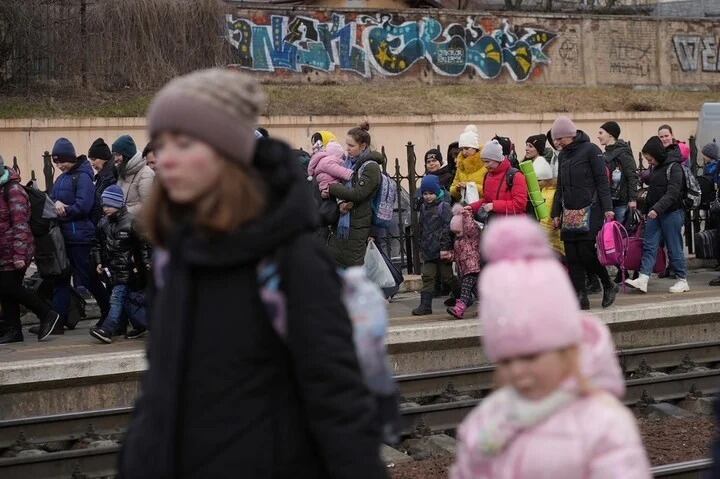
x: 395, y: 99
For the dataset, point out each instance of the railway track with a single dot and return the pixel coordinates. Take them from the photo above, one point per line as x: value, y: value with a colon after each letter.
x: 85, y: 445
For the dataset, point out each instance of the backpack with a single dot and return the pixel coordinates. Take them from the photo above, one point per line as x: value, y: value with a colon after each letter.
x: 612, y: 243
x: 707, y: 191
x: 96, y: 212
x: 50, y: 253
x: 383, y: 203
x: 692, y: 192
x: 366, y: 307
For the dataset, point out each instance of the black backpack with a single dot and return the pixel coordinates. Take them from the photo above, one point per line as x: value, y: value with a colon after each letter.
x: 39, y: 225
x: 707, y: 191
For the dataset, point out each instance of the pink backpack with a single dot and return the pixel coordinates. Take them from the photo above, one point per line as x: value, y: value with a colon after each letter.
x: 612, y: 244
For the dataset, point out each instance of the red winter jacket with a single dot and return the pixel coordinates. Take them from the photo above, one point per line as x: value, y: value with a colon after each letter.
x: 16, y: 239
x: 504, y: 200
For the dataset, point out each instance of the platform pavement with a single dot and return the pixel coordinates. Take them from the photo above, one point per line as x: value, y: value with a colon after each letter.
x: 76, y: 354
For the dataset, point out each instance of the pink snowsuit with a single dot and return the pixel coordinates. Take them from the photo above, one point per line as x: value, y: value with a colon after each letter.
x: 578, y: 437
x: 328, y: 166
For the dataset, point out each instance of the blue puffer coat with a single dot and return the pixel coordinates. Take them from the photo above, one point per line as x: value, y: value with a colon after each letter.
x: 79, y: 198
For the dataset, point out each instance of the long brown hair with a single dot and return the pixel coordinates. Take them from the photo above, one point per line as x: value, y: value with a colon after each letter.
x: 237, y: 198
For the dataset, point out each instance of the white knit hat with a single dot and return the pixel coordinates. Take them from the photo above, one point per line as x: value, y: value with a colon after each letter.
x: 469, y: 138
x: 492, y: 151
x: 542, y: 168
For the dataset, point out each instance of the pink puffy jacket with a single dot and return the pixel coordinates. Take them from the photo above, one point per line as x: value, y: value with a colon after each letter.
x: 328, y: 166
x: 590, y: 437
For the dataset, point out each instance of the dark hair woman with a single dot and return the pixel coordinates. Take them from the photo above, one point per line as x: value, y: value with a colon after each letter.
x: 665, y: 214
x: 353, y: 229
x: 581, y: 201
x: 223, y: 392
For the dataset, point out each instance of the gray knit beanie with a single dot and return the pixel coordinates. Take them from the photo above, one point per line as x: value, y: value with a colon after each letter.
x: 492, y: 151
x: 217, y: 106
x: 712, y: 151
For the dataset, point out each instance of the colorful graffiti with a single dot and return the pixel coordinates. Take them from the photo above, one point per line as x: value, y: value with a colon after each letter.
x: 696, y: 52
x: 377, y: 44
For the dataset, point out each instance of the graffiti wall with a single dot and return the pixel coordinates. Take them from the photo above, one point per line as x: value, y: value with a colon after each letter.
x: 303, y: 44
x: 382, y: 45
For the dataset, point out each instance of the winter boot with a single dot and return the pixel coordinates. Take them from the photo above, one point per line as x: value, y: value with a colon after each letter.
x: 47, y: 325
x: 609, y: 293
x: 640, y: 283
x: 584, y: 301
x: 593, y: 284
x: 425, y: 306
x: 11, y: 335
x: 681, y: 286
x: 459, y: 310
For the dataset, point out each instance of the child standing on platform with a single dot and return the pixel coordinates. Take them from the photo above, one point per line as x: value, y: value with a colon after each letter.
x: 435, y: 241
x: 467, y: 257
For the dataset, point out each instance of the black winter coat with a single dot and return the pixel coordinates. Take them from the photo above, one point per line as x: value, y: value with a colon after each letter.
x: 106, y: 177
x: 224, y: 396
x: 665, y: 196
x: 120, y: 248
x: 620, y: 155
x: 434, y: 229
x: 445, y: 175
x: 582, y: 181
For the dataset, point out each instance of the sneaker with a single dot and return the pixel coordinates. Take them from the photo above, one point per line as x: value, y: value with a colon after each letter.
x: 640, y: 283
x: 715, y: 282
x: 56, y: 330
x: 681, y: 286
x: 101, y: 335
x: 136, y: 333
x: 47, y: 326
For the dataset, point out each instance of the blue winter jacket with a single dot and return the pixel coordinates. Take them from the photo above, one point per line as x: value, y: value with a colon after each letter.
x: 79, y: 198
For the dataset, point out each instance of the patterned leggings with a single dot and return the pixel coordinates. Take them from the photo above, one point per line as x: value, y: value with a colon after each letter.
x: 467, y: 287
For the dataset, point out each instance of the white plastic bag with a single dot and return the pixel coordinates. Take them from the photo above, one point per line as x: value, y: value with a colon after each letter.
x: 376, y: 269
x: 471, y: 194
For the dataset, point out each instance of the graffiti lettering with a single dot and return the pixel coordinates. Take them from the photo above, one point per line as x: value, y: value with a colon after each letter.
x: 694, y: 52
x: 377, y: 44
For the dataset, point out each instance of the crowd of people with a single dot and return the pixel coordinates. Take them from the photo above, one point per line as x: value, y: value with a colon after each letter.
x: 94, y: 202
x: 267, y: 381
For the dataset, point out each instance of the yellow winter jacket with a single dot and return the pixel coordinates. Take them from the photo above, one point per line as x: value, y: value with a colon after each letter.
x: 470, y: 169
x: 548, y: 193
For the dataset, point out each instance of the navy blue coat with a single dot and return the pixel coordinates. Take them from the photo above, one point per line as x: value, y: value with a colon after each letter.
x: 80, y: 197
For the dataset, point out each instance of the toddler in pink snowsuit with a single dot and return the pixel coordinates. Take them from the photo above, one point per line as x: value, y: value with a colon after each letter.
x: 556, y: 413
x: 467, y: 257
x: 328, y: 166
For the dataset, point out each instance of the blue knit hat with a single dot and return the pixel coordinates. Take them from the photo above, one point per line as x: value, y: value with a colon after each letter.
x: 125, y: 146
x: 430, y: 183
x: 113, y: 196
x: 64, y: 149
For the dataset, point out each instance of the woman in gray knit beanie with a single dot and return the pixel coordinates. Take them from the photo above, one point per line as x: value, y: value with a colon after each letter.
x: 244, y: 377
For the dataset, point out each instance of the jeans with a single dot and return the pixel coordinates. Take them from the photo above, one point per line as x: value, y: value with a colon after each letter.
x: 123, y: 300
x: 620, y: 213
x: 13, y: 294
x: 668, y: 228
x: 79, y: 256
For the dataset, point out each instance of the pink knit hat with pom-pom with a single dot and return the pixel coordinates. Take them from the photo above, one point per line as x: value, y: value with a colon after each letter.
x: 527, y: 304
x: 335, y: 148
x: 456, y: 222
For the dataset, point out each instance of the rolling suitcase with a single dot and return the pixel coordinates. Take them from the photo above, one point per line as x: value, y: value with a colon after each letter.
x: 706, y: 244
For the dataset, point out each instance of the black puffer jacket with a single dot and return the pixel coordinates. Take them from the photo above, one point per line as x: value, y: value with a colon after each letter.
x: 665, y: 196
x: 224, y: 396
x: 434, y: 229
x: 620, y: 156
x: 582, y: 182
x: 106, y: 177
x: 120, y: 248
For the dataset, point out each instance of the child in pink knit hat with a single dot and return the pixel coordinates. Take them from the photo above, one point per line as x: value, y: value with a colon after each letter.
x: 556, y: 412
x: 467, y: 257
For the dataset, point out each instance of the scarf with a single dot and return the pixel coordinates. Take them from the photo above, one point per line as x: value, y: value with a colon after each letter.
x: 520, y: 414
x: 5, y: 177
x: 354, y: 163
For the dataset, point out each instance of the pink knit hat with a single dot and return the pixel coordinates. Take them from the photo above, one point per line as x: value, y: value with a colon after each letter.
x: 563, y: 128
x: 456, y: 223
x: 527, y: 304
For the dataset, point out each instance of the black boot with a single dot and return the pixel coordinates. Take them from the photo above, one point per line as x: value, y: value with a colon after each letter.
x: 11, y: 335
x: 584, y: 301
x: 425, y: 304
x: 609, y: 293
x: 593, y: 284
